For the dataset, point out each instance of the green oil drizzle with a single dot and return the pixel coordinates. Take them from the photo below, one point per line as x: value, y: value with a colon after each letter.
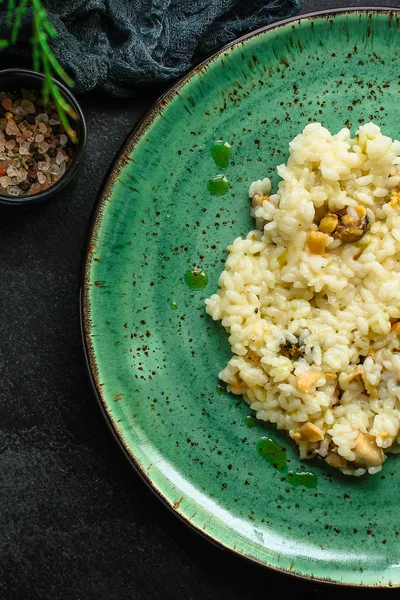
x: 167, y: 217
x: 221, y: 152
x: 218, y: 185
x: 196, y: 279
x: 276, y: 456
x: 173, y: 305
x: 304, y: 478
x: 250, y: 421
x: 219, y: 389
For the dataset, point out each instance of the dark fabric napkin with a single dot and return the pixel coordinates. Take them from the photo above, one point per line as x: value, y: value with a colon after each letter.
x: 119, y: 45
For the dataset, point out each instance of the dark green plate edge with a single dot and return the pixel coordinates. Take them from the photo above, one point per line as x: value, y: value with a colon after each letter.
x: 106, y: 187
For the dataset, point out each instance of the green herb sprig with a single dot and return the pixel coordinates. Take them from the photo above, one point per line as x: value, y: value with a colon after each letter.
x: 44, y: 59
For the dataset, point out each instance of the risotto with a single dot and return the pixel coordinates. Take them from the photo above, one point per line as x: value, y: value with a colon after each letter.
x: 311, y: 299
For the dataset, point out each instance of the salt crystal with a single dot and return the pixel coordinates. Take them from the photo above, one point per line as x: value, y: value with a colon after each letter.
x: 28, y: 106
x: 54, y: 169
x: 10, y: 144
x: 24, y: 125
x: 22, y: 175
x: 11, y: 128
x: 3, y: 156
x: 12, y: 171
x: 2, y: 147
x: 4, y: 181
x: 42, y: 118
x: 24, y: 148
x: 7, y: 103
x: 54, y: 122
x: 60, y: 157
x: 19, y: 111
x: 42, y: 128
x: 41, y: 177
x: 63, y: 168
x: 43, y: 166
x: 39, y: 138
x: 13, y: 190
x: 63, y: 139
x: 36, y: 187
x: 43, y: 147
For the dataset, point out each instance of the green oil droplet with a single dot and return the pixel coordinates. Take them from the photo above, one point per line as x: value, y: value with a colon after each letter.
x: 273, y: 453
x: 250, y: 421
x: 196, y: 279
x: 218, y: 185
x: 219, y: 389
x: 167, y: 217
x: 221, y: 152
x: 173, y: 305
x: 303, y: 478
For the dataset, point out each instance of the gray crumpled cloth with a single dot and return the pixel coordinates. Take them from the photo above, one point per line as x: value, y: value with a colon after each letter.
x: 118, y: 45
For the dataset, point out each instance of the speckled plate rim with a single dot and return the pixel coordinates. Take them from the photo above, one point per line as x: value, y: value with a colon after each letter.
x: 109, y: 180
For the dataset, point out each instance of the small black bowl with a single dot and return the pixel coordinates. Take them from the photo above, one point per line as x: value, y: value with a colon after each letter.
x: 16, y: 79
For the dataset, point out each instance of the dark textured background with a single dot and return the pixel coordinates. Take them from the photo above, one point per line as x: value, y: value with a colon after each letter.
x: 76, y: 521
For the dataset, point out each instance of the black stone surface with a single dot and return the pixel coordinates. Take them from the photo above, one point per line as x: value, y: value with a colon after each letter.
x: 76, y: 521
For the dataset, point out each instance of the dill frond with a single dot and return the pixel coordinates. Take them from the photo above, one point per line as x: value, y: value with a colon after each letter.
x: 43, y: 58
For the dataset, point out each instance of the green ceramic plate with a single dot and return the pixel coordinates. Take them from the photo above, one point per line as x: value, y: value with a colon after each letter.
x: 154, y: 354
